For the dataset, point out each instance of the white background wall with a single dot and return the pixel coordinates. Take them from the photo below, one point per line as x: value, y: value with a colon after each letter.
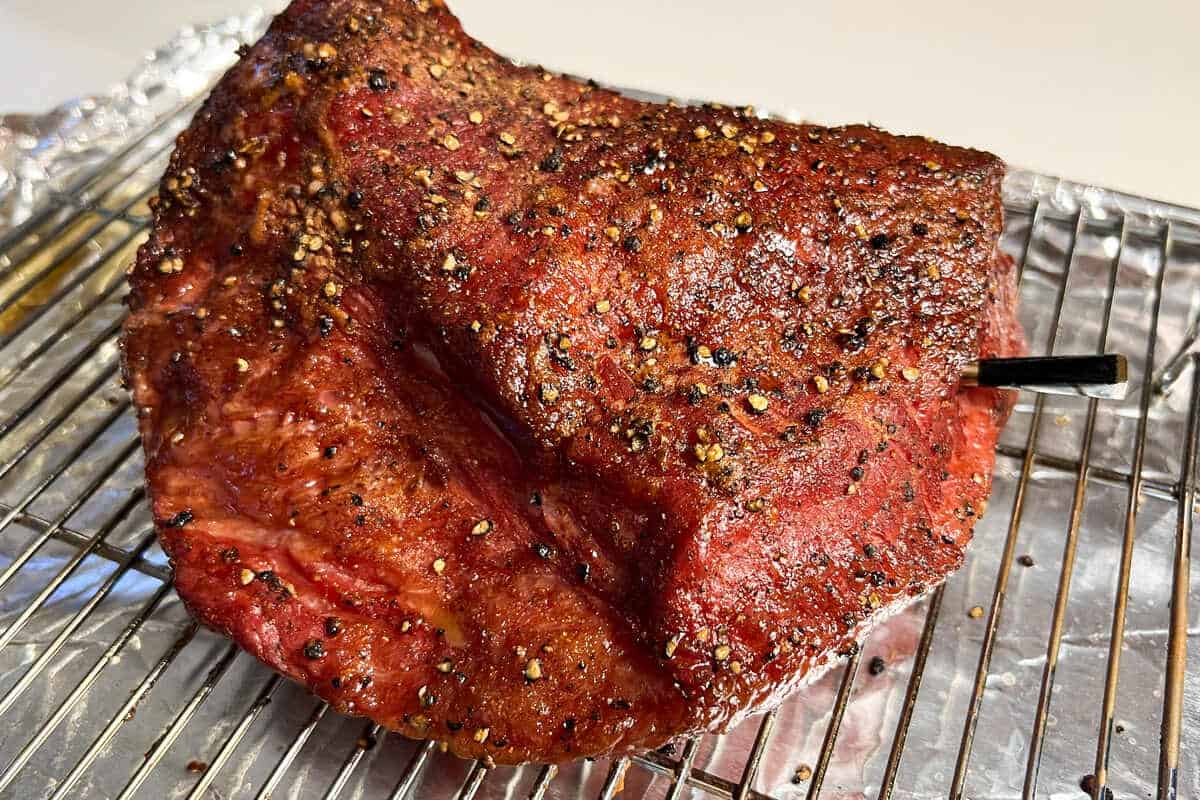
x: 1102, y: 91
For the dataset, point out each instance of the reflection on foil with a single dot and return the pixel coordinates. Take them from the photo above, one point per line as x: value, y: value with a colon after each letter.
x: 80, y: 608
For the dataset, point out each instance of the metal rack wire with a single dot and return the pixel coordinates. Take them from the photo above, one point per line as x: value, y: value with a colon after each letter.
x: 108, y: 690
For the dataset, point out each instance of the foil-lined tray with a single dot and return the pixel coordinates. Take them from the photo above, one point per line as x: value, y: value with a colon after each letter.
x: 82, y: 583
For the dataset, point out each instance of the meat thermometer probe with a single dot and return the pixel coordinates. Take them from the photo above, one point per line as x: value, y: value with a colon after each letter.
x: 1104, y: 376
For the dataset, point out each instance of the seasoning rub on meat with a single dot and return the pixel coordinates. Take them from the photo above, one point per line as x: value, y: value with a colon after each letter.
x: 517, y: 414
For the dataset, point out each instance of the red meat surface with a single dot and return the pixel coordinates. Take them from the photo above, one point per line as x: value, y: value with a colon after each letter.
x: 514, y: 413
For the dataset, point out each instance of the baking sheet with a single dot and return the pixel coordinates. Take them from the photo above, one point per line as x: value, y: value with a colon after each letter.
x: 71, y: 231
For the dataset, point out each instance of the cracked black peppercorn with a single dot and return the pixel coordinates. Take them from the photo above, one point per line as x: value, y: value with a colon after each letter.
x: 553, y: 162
x: 314, y: 649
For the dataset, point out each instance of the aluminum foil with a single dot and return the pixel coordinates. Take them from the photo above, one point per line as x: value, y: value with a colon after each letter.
x: 85, y: 618
x: 42, y: 154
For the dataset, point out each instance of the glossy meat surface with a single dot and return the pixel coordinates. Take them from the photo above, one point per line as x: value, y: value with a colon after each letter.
x: 517, y: 414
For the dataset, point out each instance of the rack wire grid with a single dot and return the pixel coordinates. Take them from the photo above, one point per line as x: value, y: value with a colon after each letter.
x: 1054, y: 664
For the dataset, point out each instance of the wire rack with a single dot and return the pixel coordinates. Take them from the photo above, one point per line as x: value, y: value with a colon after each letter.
x: 1054, y: 664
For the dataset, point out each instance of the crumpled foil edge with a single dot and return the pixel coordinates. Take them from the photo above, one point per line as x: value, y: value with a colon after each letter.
x: 41, y: 155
